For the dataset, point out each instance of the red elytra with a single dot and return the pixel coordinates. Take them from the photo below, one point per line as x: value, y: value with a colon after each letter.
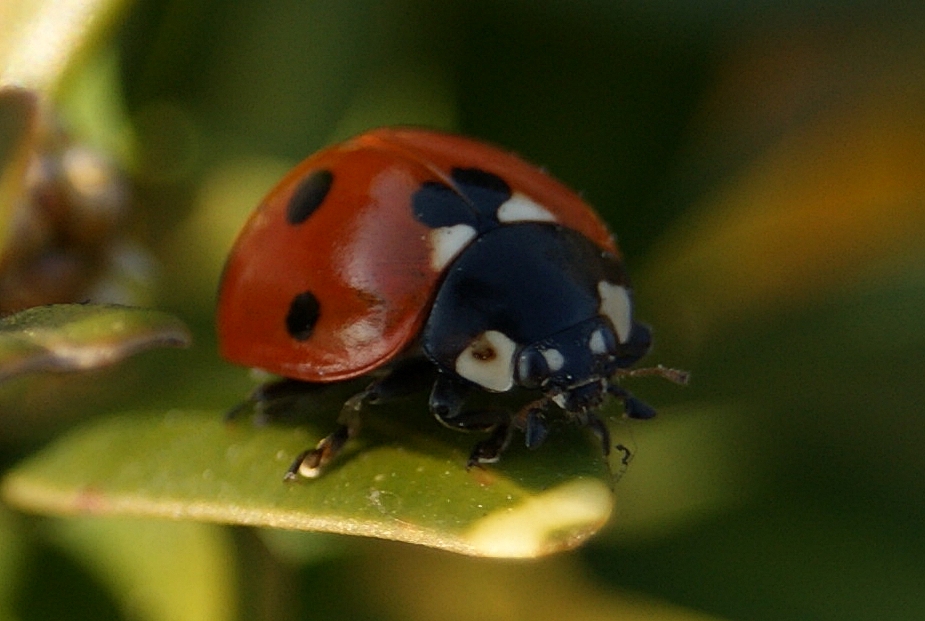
x: 361, y: 252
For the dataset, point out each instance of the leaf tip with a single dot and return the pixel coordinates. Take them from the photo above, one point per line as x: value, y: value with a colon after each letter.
x: 557, y: 519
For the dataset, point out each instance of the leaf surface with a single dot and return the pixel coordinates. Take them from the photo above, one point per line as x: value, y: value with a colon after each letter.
x: 393, y: 482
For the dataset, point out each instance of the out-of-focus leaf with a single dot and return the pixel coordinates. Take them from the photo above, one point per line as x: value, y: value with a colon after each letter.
x: 691, y: 464
x: 18, y: 124
x: 74, y: 337
x: 401, y: 94
x: 393, y: 482
x: 460, y: 589
x: 300, y: 547
x: 226, y: 197
x: 10, y: 556
x: 157, y: 570
x: 39, y: 40
x: 94, y: 111
x: 825, y: 205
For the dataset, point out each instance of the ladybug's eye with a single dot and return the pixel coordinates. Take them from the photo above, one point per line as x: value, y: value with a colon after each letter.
x: 638, y: 346
x: 532, y: 368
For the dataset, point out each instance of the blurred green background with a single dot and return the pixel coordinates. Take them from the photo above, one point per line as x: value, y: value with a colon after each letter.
x: 763, y: 166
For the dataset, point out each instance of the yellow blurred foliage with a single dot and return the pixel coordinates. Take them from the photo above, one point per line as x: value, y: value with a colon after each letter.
x: 819, y: 211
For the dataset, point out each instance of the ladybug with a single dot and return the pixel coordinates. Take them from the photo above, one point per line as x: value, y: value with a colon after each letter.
x: 433, y: 260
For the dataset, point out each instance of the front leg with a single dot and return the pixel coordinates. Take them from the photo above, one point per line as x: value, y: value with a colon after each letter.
x: 446, y: 404
x: 489, y: 451
x: 598, y: 427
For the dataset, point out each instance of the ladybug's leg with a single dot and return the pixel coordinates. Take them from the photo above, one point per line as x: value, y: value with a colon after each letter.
x: 309, y: 463
x: 531, y: 419
x: 634, y: 408
x: 447, y: 398
x: 275, y: 401
x: 489, y: 451
x: 599, y: 428
x: 446, y: 404
x: 404, y: 378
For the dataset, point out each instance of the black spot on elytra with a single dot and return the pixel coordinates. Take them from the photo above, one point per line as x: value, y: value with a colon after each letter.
x: 436, y: 204
x: 473, y: 199
x: 485, y: 191
x: 308, y: 196
x: 302, y: 316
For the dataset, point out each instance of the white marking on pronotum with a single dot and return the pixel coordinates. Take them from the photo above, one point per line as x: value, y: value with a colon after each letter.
x: 616, y: 306
x: 554, y: 359
x: 446, y: 242
x: 597, y: 343
x: 489, y: 361
x: 519, y: 208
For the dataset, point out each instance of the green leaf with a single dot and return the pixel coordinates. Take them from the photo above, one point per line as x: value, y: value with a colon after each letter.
x: 73, y: 337
x: 11, y: 560
x: 403, y: 479
x: 156, y: 570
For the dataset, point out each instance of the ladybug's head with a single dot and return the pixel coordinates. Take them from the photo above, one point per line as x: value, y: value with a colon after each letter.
x: 573, y: 367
